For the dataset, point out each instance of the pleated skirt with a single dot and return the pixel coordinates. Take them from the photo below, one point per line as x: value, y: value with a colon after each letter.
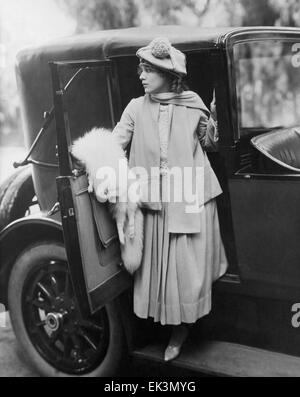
x: 173, y: 284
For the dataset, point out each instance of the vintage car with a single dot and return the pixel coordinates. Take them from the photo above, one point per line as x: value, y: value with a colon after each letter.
x: 61, y: 276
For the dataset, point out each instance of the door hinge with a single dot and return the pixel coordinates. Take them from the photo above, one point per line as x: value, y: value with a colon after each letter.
x: 54, y: 209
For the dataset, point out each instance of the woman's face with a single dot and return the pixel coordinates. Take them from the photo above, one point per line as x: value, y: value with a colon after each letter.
x: 153, y: 81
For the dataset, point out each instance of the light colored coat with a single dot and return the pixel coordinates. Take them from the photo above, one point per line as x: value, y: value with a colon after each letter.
x: 185, y: 150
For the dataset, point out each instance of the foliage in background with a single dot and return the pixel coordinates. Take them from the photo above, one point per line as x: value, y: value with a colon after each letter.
x: 105, y: 14
x: 173, y: 12
x: 10, y: 121
x: 101, y: 14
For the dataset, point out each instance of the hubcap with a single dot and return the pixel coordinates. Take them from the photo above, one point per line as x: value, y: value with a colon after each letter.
x: 54, y: 321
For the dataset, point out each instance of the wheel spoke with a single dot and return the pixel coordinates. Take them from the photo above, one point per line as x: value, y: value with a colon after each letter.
x: 45, y: 291
x: 67, y: 346
x: 40, y: 324
x: 54, y: 285
x: 54, y: 337
x: 41, y: 305
x: 88, y: 339
x: 67, y: 285
x: 90, y: 325
x: 76, y: 341
x: 80, y: 353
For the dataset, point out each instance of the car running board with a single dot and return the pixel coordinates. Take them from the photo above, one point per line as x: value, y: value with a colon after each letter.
x: 216, y: 358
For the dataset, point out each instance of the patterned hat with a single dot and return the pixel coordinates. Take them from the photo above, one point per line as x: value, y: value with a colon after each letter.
x: 163, y: 55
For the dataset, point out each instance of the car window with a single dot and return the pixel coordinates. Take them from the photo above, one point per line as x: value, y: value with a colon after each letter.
x: 267, y: 77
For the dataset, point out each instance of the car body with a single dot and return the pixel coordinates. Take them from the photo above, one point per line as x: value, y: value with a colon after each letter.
x: 86, y: 81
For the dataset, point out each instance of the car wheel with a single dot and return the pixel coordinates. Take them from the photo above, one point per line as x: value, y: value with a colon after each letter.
x: 46, y: 320
x: 16, y: 196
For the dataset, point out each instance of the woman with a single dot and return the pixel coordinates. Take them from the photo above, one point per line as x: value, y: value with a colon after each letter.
x: 183, y: 253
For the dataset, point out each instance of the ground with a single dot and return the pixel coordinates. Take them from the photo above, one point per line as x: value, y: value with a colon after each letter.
x: 13, y: 363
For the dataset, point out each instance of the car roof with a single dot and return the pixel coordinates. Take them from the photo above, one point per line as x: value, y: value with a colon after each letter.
x: 184, y: 38
x: 125, y: 42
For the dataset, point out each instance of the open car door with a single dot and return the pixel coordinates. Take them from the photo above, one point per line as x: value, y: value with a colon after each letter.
x: 90, y: 233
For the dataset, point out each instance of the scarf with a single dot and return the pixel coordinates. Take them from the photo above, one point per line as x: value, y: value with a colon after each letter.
x: 145, y: 152
x: 188, y: 99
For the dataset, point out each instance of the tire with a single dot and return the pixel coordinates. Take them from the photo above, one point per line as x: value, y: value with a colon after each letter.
x: 52, y: 337
x: 16, y: 195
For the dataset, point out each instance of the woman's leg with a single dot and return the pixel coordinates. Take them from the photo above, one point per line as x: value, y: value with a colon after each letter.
x: 178, y: 337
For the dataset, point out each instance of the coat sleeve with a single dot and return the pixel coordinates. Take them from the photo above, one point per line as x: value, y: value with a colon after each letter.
x: 124, y: 129
x: 208, y: 133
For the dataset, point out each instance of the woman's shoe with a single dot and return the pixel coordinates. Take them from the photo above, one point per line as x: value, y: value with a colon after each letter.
x: 179, y: 335
x: 172, y: 352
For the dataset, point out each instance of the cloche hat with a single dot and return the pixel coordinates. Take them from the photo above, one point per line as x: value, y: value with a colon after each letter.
x: 163, y: 55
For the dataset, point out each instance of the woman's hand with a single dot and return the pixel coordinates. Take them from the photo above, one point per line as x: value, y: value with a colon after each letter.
x: 213, y: 107
x: 208, y: 129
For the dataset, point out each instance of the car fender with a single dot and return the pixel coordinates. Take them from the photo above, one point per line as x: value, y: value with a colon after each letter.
x: 16, y: 237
